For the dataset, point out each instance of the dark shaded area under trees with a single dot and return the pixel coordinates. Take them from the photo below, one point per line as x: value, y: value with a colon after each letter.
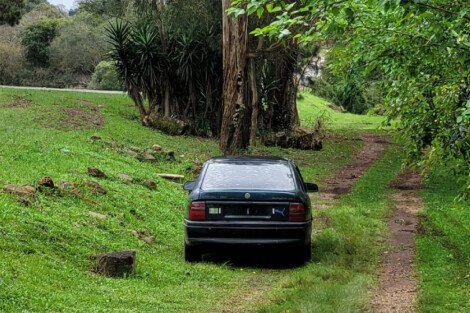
x: 188, y: 65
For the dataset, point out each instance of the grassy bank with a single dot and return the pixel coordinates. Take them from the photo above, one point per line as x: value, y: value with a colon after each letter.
x: 311, y: 108
x: 443, y: 244
x: 46, y: 246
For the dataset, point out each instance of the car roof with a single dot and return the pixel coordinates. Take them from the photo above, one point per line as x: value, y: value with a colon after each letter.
x: 249, y: 159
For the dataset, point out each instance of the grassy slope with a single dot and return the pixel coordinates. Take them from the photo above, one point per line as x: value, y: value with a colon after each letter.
x: 45, y: 248
x: 311, y: 108
x: 444, y: 248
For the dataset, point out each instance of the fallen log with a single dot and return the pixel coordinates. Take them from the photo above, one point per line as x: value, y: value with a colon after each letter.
x: 298, y: 138
x: 172, y: 177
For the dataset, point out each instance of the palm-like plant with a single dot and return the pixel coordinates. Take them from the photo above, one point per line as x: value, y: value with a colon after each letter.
x: 171, y: 71
x: 124, y: 55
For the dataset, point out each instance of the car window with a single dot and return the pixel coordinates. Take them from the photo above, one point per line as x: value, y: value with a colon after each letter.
x: 243, y: 175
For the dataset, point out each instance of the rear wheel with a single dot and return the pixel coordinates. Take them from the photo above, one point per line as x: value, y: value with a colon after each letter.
x: 307, y: 252
x: 303, y: 253
x: 192, y: 254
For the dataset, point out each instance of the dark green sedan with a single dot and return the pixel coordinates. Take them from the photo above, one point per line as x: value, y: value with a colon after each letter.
x: 249, y: 201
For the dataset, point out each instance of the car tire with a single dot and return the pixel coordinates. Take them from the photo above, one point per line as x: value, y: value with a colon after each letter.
x: 192, y: 254
x: 307, y: 252
x: 304, y: 253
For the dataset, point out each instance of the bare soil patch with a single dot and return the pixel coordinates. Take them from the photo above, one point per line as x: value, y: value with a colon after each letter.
x: 345, y: 179
x: 398, y: 283
x: 85, y: 115
x: 82, y: 118
x: 19, y: 102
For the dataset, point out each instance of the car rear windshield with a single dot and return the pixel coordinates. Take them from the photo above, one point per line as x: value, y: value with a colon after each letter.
x: 243, y: 175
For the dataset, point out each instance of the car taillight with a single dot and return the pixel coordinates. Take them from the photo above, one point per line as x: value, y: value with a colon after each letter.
x: 296, y: 212
x: 197, y: 211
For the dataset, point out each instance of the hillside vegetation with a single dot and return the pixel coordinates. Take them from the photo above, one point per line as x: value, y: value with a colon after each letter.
x: 46, y: 246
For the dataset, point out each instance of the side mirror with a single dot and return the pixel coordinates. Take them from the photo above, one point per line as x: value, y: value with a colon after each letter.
x: 189, y: 186
x: 311, y: 187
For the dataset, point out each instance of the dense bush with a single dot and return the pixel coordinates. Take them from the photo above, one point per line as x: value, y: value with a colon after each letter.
x: 37, y: 38
x: 11, y: 63
x: 10, y: 11
x: 105, y: 77
x: 353, y: 93
x: 79, y: 46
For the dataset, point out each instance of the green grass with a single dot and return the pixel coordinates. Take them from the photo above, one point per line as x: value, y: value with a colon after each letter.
x: 443, y: 247
x: 311, y: 108
x: 46, y: 247
x: 346, y: 250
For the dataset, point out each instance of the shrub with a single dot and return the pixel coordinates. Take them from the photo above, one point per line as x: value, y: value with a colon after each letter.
x: 105, y: 77
x: 79, y: 45
x: 11, y: 63
x: 37, y: 38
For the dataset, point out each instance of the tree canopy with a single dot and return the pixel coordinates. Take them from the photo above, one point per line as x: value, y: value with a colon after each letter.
x: 418, y: 51
x: 10, y: 11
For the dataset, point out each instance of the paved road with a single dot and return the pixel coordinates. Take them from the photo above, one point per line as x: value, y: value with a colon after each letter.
x: 65, y: 89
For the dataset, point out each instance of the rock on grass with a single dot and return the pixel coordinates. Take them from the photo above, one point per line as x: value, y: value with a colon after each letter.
x: 47, y: 182
x: 97, y: 215
x: 95, y: 187
x: 96, y: 172
x: 150, y: 184
x: 148, y: 239
x: 25, y: 194
x: 125, y: 178
x: 115, y: 264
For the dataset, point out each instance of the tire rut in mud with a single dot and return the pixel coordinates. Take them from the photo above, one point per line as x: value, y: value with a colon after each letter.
x: 345, y: 179
x: 397, y: 287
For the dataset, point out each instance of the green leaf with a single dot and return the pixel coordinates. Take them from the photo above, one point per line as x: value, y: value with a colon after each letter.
x: 251, y: 8
x: 260, y: 12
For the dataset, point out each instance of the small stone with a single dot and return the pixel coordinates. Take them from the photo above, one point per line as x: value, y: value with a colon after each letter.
x: 114, y: 145
x: 150, y: 151
x: 96, y: 172
x: 134, y: 148
x: 170, y: 156
x: 132, y: 153
x: 400, y: 221
x: 46, y: 181
x: 97, y: 215
x: 95, y: 187
x: 157, y: 148
x: 150, y: 184
x: 126, y: 178
x: 145, y: 238
x: 95, y: 138
x: 148, y: 157
x: 25, y: 193
x: 64, y: 185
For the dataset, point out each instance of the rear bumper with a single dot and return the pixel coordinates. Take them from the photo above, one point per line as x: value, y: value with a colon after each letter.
x: 247, y: 233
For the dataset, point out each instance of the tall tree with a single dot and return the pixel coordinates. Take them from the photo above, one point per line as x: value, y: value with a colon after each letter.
x: 10, y: 11
x: 235, y: 48
x: 419, y: 49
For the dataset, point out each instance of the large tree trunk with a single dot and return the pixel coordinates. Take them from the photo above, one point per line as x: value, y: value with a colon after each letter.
x: 254, y: 103
x: 285, y: 106
x: 235, y: 39
x: 166, y: 101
